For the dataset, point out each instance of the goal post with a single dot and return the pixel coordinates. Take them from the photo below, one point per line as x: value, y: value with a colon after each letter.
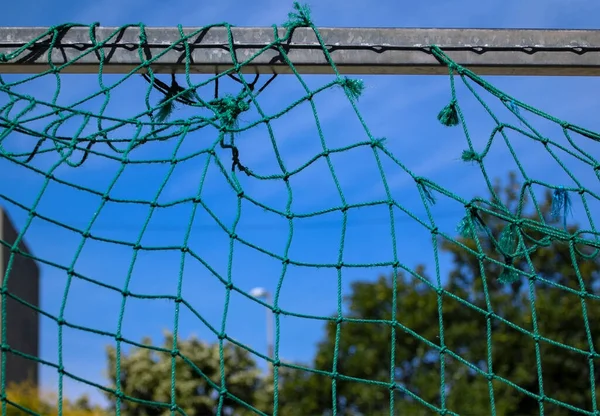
x: 513, y: 249
x: 392, y: 51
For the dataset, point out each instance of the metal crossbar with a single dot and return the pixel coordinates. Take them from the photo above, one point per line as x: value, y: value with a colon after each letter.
x: 354, y: 50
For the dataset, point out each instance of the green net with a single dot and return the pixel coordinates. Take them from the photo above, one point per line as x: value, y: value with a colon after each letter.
x: 511, y: 242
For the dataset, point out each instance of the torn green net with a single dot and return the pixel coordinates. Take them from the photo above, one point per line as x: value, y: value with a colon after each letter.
x: 513, y: 243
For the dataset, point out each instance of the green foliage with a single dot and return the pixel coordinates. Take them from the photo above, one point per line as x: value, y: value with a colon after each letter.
x: 145, y: 375
x: 446, y: 344
x: 28, y: 396
x: 469, y: 347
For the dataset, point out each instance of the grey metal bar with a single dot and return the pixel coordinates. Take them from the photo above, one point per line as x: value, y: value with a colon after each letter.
x: 354, y: 50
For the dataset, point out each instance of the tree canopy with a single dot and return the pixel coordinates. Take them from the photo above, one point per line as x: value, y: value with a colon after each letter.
x: 474, y: 345
x: 145, y: 374
x: 26, y: 398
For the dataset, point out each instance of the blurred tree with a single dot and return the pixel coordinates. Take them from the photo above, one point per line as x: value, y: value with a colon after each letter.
x: 476, y: 333
x: 473, y: 346
x: 28, y: 396
x: 145, y: 375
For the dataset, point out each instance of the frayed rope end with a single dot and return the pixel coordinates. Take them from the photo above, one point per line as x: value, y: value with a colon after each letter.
x: 561, y: 205
x: 355, y: 87
x: 508, y: 276
x: 449, y: 115
x: 300, y: 17
x: 166, y: 110
x: 507, y: 241
x: 427, y: 192
x: 464, y: 227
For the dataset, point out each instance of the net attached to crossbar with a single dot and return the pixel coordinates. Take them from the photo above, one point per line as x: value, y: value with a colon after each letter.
x: 501, y: 239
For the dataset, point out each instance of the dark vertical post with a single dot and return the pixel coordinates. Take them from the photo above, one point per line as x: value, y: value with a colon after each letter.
x: 22, y: 322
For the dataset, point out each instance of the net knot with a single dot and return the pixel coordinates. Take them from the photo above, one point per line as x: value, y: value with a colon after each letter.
x: 3, y: 58
x: 470, y: 156
x: 378, y: 142
x: 565, y: 125
x: 174, y: 352
x: 354, y: 87
x: 228, y: 108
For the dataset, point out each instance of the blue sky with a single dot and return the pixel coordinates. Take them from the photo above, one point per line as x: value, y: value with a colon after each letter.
x: 402, y: 109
